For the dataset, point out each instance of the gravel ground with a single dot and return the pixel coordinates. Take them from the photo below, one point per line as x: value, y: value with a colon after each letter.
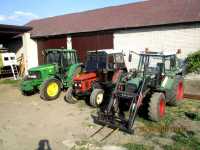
x: 29, y: 123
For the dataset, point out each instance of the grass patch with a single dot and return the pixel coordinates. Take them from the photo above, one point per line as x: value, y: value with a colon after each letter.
x: 86, y: 145
x: 131, y: 146
x: 184, y: 141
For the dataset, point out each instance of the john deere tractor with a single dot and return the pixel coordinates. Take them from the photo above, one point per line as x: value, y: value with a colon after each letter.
x: 57, y: 74
x: 157, y: 81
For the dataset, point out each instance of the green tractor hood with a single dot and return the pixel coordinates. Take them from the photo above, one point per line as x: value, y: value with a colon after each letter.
x: 47, y: 67
x: 45, y: 70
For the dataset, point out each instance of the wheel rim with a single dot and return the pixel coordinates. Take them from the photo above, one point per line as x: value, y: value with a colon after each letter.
x: 99, y: 98
x: 52, y: 89
x: 179, y: 92
x: 162, y: 108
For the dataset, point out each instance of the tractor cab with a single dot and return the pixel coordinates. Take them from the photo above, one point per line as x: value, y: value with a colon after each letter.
x: 156, y: 65
x: 61, y: 57
x: 104, y: 63
x: 104, y: 60
x: 100, y: 68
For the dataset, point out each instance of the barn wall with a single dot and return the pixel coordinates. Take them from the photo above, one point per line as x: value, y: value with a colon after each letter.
x: 168, y: 38
x: 45, y: 43
x: 94, y: 41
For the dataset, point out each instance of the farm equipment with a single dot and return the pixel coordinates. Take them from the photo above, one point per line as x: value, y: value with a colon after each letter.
x: 58, y: 72
x: 157, y: 81
x: 8, y: 64
x: 101, y: 69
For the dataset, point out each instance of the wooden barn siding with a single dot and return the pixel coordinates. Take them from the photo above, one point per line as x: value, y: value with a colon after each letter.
x: 56, y: 42
x: 93, y: 41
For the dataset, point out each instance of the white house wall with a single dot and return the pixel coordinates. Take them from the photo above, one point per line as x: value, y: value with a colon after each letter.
x: 30, y: 51
x: 184, y: 37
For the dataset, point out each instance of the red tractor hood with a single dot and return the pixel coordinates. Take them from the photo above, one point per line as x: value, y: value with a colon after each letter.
x: 84, y: 76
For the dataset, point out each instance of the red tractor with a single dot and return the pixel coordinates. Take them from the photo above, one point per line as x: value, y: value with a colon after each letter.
x: 101, y: 71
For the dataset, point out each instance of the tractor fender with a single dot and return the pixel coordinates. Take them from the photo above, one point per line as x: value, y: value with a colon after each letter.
x: 167, y: 85
x: 71, y: 72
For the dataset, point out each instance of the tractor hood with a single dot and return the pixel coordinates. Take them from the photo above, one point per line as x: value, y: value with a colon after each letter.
x: 48, y: 68
x: 42, y: 67
x: 84, y: 76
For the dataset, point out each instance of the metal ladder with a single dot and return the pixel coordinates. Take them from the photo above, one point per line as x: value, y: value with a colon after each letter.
x: 14, y: 71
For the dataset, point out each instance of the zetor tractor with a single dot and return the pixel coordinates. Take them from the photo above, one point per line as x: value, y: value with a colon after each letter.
x: 58, y: 72
x: 101, y: 70
x: 157, y: 81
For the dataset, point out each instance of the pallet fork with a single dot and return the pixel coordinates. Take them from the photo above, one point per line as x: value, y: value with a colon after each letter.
x: 112, y: 119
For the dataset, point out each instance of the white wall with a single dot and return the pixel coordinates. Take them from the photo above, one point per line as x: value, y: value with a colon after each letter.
x: 69, y: 42
x: 30, y: 51
x: 184, y: 37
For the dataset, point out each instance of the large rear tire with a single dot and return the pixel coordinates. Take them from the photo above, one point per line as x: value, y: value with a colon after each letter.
x: 156, y: 109
x: 50, y: 89
x: 176, y: 94
x: 96, y: 97
x: 69, y: 96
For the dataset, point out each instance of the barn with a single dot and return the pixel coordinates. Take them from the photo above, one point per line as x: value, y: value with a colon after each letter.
x: 160, y: 25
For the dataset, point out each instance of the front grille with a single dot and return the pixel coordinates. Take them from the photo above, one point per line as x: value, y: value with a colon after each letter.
x: 131, y: 88
x: 33, y: 75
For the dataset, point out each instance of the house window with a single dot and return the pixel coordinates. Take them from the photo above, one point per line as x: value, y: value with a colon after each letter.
x: 5, y: 58
x: 12, y: 58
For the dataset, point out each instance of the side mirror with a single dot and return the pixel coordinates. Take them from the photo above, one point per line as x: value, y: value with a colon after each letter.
x: 130, y: 58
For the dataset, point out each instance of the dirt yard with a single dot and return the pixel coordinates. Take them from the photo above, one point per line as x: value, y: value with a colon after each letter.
x: 29, y: 123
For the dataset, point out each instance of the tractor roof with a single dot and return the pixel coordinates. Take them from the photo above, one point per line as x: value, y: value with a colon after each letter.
x: 157, y: 54
x: 60, y: 50
x: 107, y: 51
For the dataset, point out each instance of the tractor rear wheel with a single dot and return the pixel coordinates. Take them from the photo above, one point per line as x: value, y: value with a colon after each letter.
x: 50, y: 89
x: 156, y: 109
x: 69, y: 96
x: 96, y: 97
x: 176, y: 94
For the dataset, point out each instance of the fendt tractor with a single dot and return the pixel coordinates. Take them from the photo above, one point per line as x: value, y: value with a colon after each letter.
x: 157, y: 81
x: 57, y: 74
x: 101, y: 70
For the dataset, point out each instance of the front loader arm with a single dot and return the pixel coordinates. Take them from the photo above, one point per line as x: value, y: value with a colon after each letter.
x: 135, y: 104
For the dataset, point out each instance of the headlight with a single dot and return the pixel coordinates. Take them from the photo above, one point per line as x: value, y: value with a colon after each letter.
x: 32, y: 76
x: 77, y: 84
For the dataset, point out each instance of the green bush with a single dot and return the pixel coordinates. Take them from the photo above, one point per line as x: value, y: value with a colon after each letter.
x: 193, y: 62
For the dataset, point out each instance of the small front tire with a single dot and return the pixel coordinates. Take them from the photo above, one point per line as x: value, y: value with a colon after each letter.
x: 50, y: 89
x: 96, y: 97
x: 156, y: 109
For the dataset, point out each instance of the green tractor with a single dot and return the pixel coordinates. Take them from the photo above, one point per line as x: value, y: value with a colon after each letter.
x: 157, y: 81
x: 57, y: 74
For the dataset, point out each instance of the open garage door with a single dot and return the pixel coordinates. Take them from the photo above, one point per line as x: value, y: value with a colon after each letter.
x: 93, y: 41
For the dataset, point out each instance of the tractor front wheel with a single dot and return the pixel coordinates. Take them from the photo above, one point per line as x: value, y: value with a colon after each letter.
x: 96, y: 97
x: 50, y: 89
x: 69, y: 96
x: 156, y: 109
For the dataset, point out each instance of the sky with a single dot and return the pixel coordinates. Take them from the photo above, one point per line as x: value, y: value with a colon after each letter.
x: 19, y: 12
